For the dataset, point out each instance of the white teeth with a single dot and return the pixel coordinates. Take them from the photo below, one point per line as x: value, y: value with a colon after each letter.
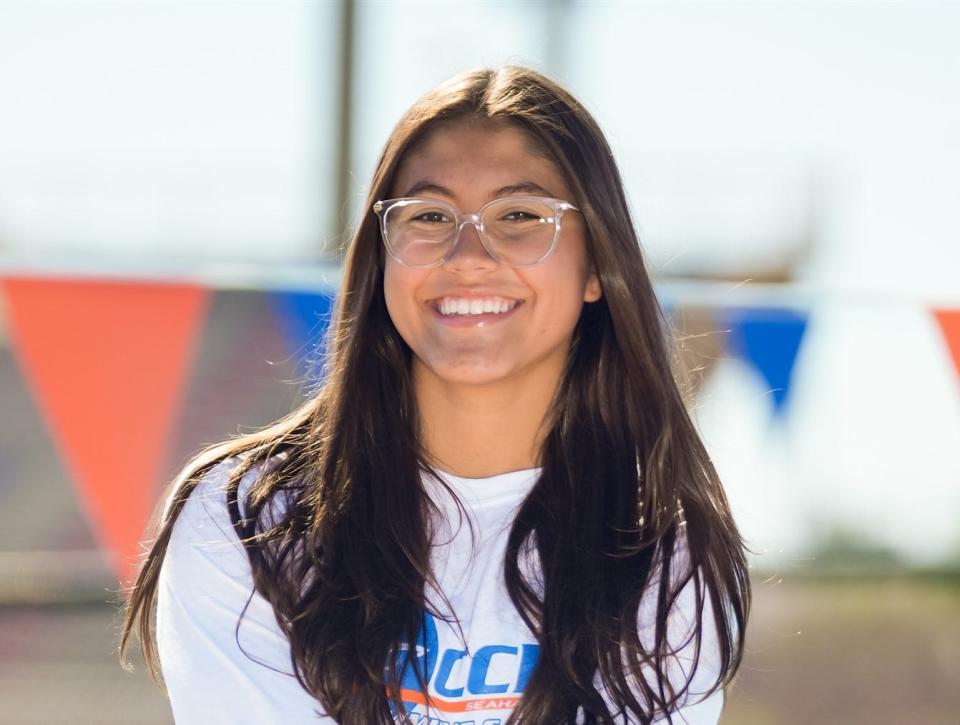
x: 474, y: 306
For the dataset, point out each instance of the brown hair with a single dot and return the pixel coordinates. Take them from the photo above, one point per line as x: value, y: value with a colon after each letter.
x: 624, y: 474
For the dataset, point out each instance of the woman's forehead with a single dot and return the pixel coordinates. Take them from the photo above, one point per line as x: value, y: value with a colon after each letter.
x: 493, y: 154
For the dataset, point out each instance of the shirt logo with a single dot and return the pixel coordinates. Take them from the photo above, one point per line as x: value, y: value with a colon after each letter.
x: 462, y: 682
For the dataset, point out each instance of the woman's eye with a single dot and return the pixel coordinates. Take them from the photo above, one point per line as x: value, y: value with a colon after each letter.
x: 431, y: 217
x: 520, y: 215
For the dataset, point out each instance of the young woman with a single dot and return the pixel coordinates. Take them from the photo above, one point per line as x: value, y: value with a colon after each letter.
x: 495, y: 508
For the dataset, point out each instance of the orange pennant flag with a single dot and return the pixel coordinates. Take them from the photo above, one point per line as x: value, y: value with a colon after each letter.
x: 106, y: 362
x: 949, y: 321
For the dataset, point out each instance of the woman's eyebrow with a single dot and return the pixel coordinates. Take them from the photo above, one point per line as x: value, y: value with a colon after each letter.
x: 426, y: 185
x: 523, y: 186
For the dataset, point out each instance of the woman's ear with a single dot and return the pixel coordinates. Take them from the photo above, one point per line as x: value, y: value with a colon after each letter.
x: 592, y: 291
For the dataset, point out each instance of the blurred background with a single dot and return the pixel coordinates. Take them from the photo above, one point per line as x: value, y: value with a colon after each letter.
x: 176, y: 182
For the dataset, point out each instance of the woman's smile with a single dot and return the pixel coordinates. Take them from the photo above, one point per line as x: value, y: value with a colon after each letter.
x: 473, y: 306
x: 465, y: 310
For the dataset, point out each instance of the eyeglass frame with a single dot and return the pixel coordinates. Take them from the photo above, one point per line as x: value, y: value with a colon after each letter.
x: 559, y: 206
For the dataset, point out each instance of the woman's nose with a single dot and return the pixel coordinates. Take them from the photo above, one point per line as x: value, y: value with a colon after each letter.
x: 468, y: 251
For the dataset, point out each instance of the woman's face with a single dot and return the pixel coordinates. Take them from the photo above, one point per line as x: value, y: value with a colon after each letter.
x: 468, y: 164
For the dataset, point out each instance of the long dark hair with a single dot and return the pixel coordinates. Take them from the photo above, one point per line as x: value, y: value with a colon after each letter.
x: 624, y: 475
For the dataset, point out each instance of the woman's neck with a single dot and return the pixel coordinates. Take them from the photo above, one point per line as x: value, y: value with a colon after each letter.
x: 478, y: 431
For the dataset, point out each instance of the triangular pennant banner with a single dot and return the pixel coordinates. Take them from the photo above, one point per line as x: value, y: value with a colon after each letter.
x: 769, y: 339
x: 304, y: 317
x: 106, y: 361
x: 949, y: 321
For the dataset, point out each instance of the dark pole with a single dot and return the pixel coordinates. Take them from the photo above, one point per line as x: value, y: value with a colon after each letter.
x: 341, y: 210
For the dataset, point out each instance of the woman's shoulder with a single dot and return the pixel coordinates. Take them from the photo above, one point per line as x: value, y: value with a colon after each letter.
x: 208, y: 495
x: 204, y: 522
x: 210, y: 617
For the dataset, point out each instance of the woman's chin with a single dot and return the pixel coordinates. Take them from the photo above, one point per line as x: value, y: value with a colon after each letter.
x: 468, y: 371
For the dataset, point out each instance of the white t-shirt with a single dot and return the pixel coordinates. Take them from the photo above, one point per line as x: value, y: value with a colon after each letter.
x: 205, y: 583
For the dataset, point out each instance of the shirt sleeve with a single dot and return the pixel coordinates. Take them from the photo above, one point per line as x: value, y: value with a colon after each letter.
x: 695, y: 707
x: 703, y: 712
x: 214, y: 671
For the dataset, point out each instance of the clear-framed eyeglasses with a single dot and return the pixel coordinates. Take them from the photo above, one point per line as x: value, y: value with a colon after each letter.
x: 515, y: 230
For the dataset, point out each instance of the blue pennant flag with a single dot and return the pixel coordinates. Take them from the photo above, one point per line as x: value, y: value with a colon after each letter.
x: 769, y: 339
x: 304, y: 317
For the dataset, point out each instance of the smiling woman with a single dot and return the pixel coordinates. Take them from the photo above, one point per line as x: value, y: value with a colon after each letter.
x: 496, y: 508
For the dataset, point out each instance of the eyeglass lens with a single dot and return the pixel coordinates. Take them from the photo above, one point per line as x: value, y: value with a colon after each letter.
x: 421, y: 232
